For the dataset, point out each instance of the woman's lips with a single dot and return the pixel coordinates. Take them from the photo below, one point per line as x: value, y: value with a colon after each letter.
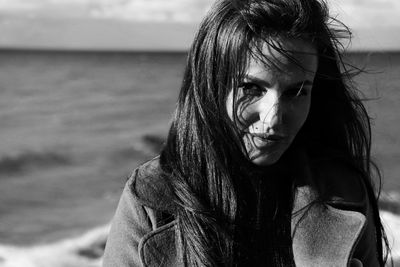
x: 267, y: 140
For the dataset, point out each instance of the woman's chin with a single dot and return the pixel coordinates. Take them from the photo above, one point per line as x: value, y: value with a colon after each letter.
x: 265, y: 159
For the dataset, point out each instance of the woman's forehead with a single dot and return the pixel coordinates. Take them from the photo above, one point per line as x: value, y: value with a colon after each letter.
x: 291, y: 59
x: 286, y: 55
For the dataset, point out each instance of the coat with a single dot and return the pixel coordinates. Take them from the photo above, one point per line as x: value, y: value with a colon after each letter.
x: 143, y: 231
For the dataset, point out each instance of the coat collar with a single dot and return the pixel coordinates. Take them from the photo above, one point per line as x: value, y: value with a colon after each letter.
x: 323, y: 235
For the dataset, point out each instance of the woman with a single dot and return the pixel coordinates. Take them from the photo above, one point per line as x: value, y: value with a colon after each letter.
x: 267, y: 162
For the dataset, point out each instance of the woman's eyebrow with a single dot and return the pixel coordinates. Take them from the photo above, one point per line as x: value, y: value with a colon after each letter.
x: 267, y: 84
x: 257, y: 80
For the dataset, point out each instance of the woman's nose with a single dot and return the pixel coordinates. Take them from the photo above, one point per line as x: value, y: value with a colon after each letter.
x: 270, y: 110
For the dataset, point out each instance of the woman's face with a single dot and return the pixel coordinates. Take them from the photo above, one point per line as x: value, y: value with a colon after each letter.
x: 273, y: 100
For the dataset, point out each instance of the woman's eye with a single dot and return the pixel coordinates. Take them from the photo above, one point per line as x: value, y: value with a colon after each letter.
x: 252, y: 89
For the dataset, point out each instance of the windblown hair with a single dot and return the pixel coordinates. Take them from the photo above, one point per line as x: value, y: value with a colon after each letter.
x: 203, y: 157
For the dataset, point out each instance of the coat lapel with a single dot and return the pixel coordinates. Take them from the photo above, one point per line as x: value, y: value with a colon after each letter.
x: 158, y: 248
x: 323, y: 235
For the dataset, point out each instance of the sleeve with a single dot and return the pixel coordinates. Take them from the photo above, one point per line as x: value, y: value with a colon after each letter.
x: 130, y: 223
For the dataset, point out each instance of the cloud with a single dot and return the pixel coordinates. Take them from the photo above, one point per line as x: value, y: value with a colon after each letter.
x: 356, y: 13
x: 154, y: 10
x: 44, y: 8
x: 17, y: 5
x: 367, y: 14
x: 134, y: 10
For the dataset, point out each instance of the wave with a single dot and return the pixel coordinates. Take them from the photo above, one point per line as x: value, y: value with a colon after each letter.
x: 154, y: 142
x: 390, y: 201
x: 391, y: 223
x: 28, y: 160
x: 149, y: 145
x: 83, y: 251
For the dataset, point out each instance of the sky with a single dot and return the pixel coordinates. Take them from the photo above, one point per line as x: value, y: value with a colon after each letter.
x: 161, y: 24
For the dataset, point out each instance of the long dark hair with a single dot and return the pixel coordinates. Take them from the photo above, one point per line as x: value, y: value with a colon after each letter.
x: 203, y: 156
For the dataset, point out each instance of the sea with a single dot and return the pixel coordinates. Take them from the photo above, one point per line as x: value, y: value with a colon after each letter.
x: 74, y: 125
